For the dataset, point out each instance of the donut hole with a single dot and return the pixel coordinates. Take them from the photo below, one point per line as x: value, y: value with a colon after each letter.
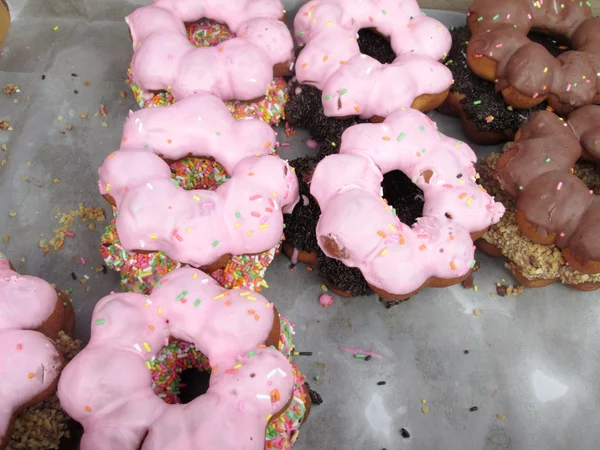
x: 180, y: 373
x: 404, y: 196
x: 371, y: 43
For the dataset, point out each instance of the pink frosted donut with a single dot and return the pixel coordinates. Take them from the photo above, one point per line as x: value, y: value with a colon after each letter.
x: 359, y: 228
x: 29, y: 361
x: 198, y: 227
x: 108, y: 387
x: 238, y: 69
x: 356, y: 84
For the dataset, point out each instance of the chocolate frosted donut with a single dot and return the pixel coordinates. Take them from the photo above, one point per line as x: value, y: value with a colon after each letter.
x: 553, y: 205
x: 487, y: 118
x: 525, y: 72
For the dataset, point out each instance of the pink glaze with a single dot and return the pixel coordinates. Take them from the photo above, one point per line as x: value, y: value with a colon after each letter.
x: 240, y: 68
x: 29, y: 361
x: 108, y: 388
x: 332, y: 62
x: 391, y: 255
x: 243, y: 216
x: 325, y: 300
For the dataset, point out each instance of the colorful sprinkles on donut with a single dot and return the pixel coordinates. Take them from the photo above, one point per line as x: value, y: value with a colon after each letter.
x: 209, y: 33
x: 179, y: 356
x: 141, y: 271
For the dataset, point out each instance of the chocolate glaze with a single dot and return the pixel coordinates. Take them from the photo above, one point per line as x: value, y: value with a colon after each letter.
x: 552, y: 198
x: 477, y: 89
x: 500, y: 33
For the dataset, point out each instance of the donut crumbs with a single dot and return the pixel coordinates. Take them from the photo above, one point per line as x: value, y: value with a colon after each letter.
x: 45, y: 424
x: 67, y: 220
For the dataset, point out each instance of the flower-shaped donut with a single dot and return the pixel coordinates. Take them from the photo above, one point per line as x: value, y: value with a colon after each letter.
x: 238, y: 69
x: 356, y: 84
x: 554, y: 206
x: 198, y: 227
x: 108, y: 387
x: 31, y: 315
x: 359, y: 228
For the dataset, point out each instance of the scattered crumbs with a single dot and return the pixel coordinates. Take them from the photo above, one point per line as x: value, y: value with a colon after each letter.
x: 10, y: 89
x: 425, y: 409
x: 102, y: 110
x: 86, y: 83
x: 381, y: 383
x: 423, y: 401
x: 56, y: 180
x: 4, y: 125
x: 83, y: 115
x: 66, y: 221
x: 55, y: 28
x: 12, y: 213
x: 43, y: 77
x: 5, y: 238
x: 473, y: 408
x: 28, y: 163
x: 61, y: 118
x: 69, y: 127
x: 4, y: 161
x: 477, y: 312
x: 500, y: 416
x: 96, y: 114
x: 103, y: 124
x: 404, y: 432
x: 466, y: 352
x: 4, y: 147
x: 123, y: 94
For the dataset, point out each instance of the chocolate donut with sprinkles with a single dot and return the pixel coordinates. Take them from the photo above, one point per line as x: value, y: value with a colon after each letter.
x: 201, y: 228
x: 525, y: 72
x: 397, y: 260
x: 355, y: 84
x: 252, y: 383
x: 208, y: 33
x: 240, y: 68
x: 486, y: 117
x: 554, y: 207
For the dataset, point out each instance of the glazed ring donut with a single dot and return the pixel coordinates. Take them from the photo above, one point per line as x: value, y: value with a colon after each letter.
x: 241, y: 68
x: 359, y: 228
x: 553, y: 205
x: 198, y: 227
x: 31, y: 315
x: 356, y: 84
x: 208, y: 33
x: 525, y: 72
x: 108, y: 387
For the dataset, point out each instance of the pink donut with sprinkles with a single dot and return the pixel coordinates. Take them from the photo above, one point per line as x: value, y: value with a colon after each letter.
x: 241, y: 68
x: 198, y: 227
x: 31, y: 315
x: 356, y: 84
x: 398, y: 260
x: 108, y: 387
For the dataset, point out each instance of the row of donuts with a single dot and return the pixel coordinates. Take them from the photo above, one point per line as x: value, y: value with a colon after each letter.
x: 210, y: 192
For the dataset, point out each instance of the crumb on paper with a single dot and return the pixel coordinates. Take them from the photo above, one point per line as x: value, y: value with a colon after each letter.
x: 12, y: 213
x: 103, y: 124
x: 425, y: 409
x: 86, y: 83
x: 69, y: 127
x: 5, y: 238
x: 67, y: 220
x: 4, y: 147
x: 61, y: 118
x: 4, y: 125
x: 123, y: 94
x: 83, y: 115
x: 477, y: 312
x: 10, y: 89
x: 56, y: 180
x: 500, y: 416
